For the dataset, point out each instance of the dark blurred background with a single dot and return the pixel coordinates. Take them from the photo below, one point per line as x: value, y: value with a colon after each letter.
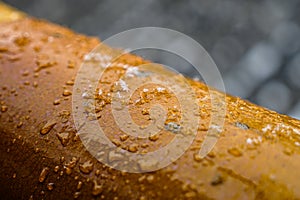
x: 255, y: 43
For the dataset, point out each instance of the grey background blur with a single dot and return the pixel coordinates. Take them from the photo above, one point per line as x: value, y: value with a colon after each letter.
x: 255, y: 44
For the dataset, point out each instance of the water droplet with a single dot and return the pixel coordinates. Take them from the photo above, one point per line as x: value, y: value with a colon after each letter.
x: 198, y: 158
x: 242, y: 125
x: 116, y: 142
x: 142, y: 178
x: 150, y: 178
x: 47, y: 127
x: 26, y: 83
x: 35, y: 84
x: 235, y: 152
x: 68, y: 170
x: 211, y: 154
x: 143, y: 198
x: 76, y: 195
x: 22, y: 41
x: 86, y: 167
x: 79, y: 185
x: 86, y: 95
x: 145, y: 111
x: 71, y: 64
x: 144, y: 145
x: 288, y: 151
x: 98, y: 172
x: 124, y: 137
x: 133, y: 148
x: 43, y: 174
x: 56, y: 102
x: 97, y: 189
x: 64, y: 138
x: 25, y: 73
x: 56, y: 168
x: 249, y: 141
x: 64, y: 116
x: 159, y: 89
x: 70, y: 83
x: 4, y: 108
x: 3, y: 49
x: 50, y: 186
x: 13, y: 90
x: 67, y: 93
x: 173, y: 127
x: 154, y: 137
x: 123, y: 85
x: 190, y: 194
x: 217, y: 180
x: 72, y: 163
x: 43, y: 61
x: 20, y: 124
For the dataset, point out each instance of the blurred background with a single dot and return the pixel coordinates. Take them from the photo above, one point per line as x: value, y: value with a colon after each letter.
x: 255, y: 43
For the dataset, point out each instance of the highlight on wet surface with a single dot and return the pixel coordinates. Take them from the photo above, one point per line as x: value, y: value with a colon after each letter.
x: 140, y: 116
